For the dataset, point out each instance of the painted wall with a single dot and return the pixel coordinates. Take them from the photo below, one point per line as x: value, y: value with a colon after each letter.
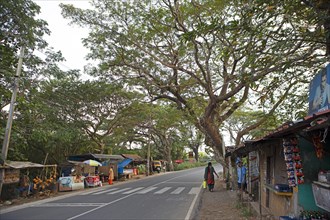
x: 311, y: 167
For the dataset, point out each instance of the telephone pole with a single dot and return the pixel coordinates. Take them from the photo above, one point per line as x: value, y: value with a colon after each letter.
x: 149, y: 137
x: 148, y: 155
x: 5, y: 145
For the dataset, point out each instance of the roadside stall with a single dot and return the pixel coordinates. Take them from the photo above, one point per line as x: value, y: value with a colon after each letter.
x: 137, y: 162
x: 73, y: 174
x: 93, y: 179
x: 23, y: 178
x: 291, y: 167
x: 106, y: 161
x: 122, y: 172
x: 121, y: 169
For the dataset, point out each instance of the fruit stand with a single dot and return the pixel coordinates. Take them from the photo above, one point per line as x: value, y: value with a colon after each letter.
x: 19, y: 181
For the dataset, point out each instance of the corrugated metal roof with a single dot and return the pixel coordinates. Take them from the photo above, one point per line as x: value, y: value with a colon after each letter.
x: 23, y: 164
x: 134, y: 157
x: 108, y: 156
x: 90, y: 156
x: 316, y: 121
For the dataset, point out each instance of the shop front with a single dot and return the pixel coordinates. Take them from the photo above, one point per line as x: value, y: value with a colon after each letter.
x: 290, y: 168
x: 24, y: 178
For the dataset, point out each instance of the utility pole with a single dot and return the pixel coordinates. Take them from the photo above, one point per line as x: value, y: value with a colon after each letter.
x: 5, y: 145
x: 149, y: 136
x: 148, y: 155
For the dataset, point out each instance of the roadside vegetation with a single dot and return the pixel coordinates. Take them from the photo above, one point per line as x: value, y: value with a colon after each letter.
x: 188, y: 165
x: 245, y: 210
x: 171, y: 76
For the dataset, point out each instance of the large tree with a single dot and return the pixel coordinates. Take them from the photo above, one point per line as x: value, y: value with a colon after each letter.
x: 208, y: 57
x: 18, y: 28
x: 35, y: 131
x: 322, y: 9
x: 96, y: 107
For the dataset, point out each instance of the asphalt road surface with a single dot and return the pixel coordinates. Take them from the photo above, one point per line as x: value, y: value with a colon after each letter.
x: 168, y: 196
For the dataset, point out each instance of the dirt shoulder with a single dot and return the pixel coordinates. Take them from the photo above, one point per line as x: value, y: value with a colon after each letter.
x: 219, y: 204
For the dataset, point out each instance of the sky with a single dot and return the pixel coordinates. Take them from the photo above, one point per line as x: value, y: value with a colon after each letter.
x: 64, y: 37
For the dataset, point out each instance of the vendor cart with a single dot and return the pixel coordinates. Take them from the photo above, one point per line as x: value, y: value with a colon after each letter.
x: 92, y: 181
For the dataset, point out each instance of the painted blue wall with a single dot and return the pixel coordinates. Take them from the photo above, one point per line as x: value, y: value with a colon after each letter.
x: 311, y: 167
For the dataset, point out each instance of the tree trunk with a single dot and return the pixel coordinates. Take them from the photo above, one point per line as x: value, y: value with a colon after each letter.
x: 195, y: 150
x: 168, y: 156
x: 213, y: 137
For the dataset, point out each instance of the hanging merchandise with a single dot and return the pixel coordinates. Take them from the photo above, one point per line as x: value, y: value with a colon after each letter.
x: 293, y: 161
x: 318, y: 145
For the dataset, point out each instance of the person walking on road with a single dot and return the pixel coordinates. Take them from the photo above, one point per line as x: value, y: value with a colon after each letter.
x: 209, y: 176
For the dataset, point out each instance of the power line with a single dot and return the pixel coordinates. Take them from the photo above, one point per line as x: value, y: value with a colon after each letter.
x: 60, y: 62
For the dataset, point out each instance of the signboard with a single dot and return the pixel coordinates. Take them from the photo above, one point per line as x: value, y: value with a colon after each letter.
x: 65, y: 183
x: 319, y: 92
x: 11, y: 176
x: 321, y: 196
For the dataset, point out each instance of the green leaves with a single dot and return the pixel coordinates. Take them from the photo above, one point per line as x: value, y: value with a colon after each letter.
x: 19, y: 26
x: 198, y: 62
x: 204, y: 56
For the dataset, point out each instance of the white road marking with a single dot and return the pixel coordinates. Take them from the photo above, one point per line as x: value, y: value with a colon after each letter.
x: 91, y: 191
x: 68, y: 204
x: 189, y: 213
x: 178, y: 190
x: 133, y: 190
x: 194, y: 190
x: 184, y: 182
x: 146, y: 190
x: 104, y: 191
x: 107, y: 204
x: 163, y: 190
x: 118, y: 191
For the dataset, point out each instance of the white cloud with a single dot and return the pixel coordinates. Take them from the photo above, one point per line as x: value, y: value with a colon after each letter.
x: 64, y: 37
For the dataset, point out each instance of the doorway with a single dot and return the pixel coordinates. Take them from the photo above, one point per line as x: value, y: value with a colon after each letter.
x: 269, y: 178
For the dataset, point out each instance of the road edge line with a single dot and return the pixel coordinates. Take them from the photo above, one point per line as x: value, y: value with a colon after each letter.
x: 193, y: 205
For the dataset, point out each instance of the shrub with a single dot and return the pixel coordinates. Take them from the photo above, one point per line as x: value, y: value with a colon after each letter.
x: 188, y: 165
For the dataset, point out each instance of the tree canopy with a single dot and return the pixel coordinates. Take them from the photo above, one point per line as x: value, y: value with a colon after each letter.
x: 207, y: 57
x: 164, y: 66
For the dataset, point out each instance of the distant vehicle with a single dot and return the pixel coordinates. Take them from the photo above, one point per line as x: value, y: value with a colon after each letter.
x: 156, y: 166
x: 179, y: 161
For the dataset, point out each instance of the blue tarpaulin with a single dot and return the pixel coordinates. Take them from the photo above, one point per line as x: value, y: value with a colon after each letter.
x: 124, y: 163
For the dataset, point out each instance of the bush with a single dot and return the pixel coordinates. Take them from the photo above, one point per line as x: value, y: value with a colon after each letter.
x: 188, y: 165
x: 141, y: 169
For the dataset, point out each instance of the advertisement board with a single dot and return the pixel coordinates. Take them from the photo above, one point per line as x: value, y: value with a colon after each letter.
x: 319, y: 92
x: 11, y: 176
x: 65, y: 183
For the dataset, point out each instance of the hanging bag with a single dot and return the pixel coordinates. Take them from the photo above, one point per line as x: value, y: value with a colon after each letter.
x: 204, y: 184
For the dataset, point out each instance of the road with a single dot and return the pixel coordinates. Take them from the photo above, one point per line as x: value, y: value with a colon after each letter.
x: 168, y: 196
